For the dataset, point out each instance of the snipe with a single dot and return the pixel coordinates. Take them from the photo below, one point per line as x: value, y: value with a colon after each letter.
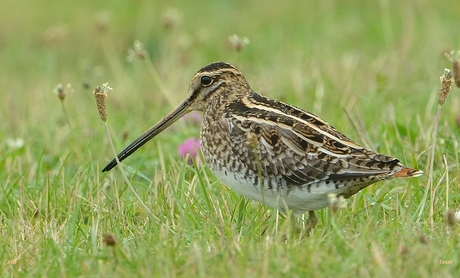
x: 272, y: 152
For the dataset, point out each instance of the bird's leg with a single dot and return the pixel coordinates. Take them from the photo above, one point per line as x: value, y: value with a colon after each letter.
x: 311, y: 222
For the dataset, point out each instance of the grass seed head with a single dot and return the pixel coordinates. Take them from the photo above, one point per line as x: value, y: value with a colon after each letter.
x: 171, y: 18
x: 252, y: 140
x: 62, y: 91
x: 237, y: 42
x: 138, y: 52
x: 100, y: 94
x: 102, y: 22
x: 446, y: 84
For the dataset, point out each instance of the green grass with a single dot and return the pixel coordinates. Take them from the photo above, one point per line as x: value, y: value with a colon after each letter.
x: 378, y: 61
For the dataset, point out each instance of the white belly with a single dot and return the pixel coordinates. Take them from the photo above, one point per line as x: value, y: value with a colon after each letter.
x: 299, y: 199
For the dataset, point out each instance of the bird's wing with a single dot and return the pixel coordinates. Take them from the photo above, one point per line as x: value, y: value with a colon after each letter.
x: 297, y: 145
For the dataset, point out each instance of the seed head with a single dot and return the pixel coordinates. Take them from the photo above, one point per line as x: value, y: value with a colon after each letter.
x: 238, y: 43
x: 61, y: 91
x: 171, y: 18
x: 446, y: 84
x: 251, y: 140
x: 102, y: 22
x: 100, y: 94
x: 137, y: 52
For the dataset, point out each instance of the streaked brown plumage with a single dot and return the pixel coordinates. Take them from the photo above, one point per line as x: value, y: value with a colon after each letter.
x: 273, y: 152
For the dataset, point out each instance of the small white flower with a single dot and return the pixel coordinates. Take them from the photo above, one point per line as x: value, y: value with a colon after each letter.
x: 15, y: 143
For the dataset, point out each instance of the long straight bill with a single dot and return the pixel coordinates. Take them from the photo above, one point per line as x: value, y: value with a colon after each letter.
x: 173, y: 116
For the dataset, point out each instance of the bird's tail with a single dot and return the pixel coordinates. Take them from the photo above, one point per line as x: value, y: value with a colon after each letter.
x: 408, y: 173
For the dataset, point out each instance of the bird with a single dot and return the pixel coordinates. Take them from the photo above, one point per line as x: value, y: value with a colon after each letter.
x: 272, y: 152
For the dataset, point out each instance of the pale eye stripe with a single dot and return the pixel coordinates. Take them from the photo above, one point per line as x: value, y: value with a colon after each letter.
x: 276, y: 111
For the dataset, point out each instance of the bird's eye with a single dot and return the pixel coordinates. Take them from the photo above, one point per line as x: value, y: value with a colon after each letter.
x: 206, y: 80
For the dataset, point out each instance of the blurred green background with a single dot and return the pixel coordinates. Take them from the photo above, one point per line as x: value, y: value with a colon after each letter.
x: 319, y: 55
x: 377, y: 61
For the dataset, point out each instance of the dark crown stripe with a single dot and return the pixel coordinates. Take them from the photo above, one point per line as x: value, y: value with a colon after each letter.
x: 216, y: 66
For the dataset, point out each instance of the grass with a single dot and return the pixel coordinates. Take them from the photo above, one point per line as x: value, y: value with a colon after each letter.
x: 378, y: 62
